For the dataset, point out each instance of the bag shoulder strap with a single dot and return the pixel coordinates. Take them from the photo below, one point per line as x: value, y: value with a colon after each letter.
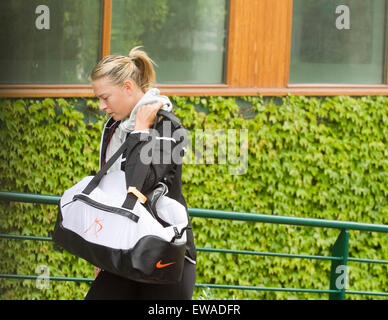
x: 141, y: 169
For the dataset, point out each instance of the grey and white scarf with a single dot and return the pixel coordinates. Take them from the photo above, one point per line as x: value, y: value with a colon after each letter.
x: 127, y: 125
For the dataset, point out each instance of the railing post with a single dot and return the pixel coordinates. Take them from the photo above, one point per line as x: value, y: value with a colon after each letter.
x: 338, y: 271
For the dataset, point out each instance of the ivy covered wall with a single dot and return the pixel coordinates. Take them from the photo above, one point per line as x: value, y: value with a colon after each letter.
x: 307, y: 157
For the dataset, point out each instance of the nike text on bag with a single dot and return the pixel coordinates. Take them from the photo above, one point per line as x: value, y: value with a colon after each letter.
x: 102, y: 222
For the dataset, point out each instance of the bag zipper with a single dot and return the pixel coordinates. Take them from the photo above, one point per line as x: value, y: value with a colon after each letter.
x: 120, y: 211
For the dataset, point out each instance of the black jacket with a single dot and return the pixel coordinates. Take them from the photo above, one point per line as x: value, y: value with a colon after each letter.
x: 163, y: 168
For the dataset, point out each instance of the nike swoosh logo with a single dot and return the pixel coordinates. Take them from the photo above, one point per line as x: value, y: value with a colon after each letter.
x: 160, y: 265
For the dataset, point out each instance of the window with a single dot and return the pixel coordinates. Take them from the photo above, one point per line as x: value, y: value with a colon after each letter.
x: 54, y: 43
x: 338, y: 41
x: 201, y: 47
x: 186, y: 39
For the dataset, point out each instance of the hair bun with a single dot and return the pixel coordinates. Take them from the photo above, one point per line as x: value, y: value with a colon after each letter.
x: 135, y: 53
x: 137, y: 66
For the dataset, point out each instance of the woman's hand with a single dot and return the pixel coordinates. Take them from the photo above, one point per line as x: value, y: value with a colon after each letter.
x: 145, y: 116
x: 96, y: 271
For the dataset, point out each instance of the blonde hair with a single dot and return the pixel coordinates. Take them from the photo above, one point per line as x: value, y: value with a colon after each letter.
x: 137, y: 66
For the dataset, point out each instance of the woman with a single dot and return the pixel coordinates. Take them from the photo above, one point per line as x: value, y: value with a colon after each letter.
x: 124, y: 86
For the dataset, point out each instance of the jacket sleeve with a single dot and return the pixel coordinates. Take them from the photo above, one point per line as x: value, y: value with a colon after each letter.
x: 163, y: 149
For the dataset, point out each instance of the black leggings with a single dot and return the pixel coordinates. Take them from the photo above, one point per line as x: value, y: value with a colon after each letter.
x: 109, y: 286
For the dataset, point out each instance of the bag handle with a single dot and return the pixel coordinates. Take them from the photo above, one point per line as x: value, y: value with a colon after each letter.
x: 141, y: 170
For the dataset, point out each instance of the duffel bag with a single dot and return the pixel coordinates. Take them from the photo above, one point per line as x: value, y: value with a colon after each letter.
x: 105, y: 220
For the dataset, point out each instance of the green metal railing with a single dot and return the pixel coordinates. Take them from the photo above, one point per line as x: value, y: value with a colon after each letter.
x: 339, y: 255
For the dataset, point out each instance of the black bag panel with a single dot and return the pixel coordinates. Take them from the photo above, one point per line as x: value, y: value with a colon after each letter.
x: 159, y: 259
